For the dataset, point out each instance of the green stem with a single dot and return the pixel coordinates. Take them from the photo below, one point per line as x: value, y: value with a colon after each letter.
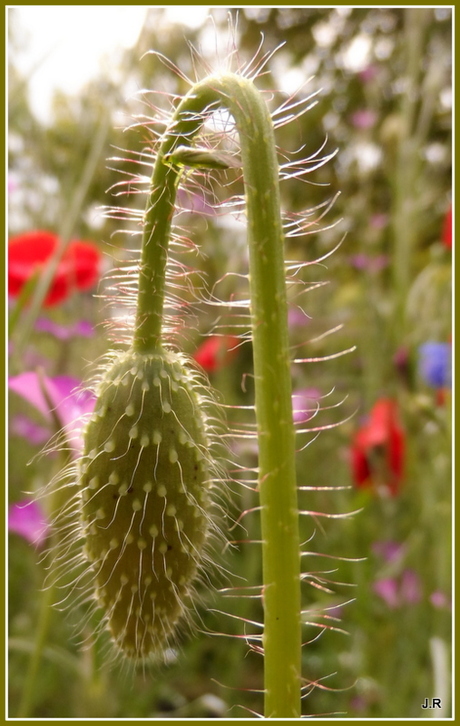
x: 277, y: 479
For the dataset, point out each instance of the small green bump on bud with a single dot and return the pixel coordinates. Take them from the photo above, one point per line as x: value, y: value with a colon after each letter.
x: 136, y: 505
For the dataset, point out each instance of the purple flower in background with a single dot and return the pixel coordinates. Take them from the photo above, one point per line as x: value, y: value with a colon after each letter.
x: 363, y: 118
x: 297, y: 318
x: 387, y: 589
x: 369, y: 74
x: 388, y: 550
x: 440, y: 600
x: 304, y: 404
x: 27, y: 429
x: 372, y: 263
x: 435, y: 364
x: 405, y: 590
x: 410, y: 588
x: 61, y: 396
x: 27, y: 519
x: 379, y: 220
x: 81, y: 328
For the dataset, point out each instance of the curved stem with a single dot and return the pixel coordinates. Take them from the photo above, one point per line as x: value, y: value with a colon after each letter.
x: 277, y: 480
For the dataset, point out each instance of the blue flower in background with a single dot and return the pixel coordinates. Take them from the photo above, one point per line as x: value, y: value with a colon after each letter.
x: 435, y: 364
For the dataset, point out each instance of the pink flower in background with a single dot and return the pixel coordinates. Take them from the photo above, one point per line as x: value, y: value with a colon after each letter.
x: 396, y: 592
x: 27, y: 429
x: 369, y: 74
x: 81, y: 328
x: 379, y: 220
x: 27, y: 519
x: 304, y: 404
x: 372, y: 263
x: 410, y: 590
x: 440, y: 600
x: 297, y: 318
x: 61, y: 396
x: 387, y: 590
x: 388, y: 550
x: 364, y: 118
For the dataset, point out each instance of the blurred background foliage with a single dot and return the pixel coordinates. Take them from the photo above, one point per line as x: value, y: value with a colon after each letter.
x: 383, y: 77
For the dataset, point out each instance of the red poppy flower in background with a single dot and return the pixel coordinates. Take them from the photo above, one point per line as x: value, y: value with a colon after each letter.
x: 216, y: 352
x: 29, y: 253
x: 446, y: 235
x: 377, y: 452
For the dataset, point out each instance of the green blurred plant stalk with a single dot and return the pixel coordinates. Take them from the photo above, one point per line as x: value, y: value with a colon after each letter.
x: 276, y: 438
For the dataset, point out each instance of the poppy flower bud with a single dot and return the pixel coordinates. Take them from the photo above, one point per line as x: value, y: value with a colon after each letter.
x: 144, y: 479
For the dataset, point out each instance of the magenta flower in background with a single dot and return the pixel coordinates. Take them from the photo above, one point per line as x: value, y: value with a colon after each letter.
x: 297, y: 318
x: 388, y: 550
x: 410, y: 589
x: 27, y: 429
x: 379, y: 220
x: 81, y: 328
x: 440, y: 600
x: 387, y: 589
x: 27, y: 519
x: 372, y: 263
x: 369, y: 74
x: 304, y: 404
x: 364, y: 118
x: 68, y: 402
x: 395, y: 592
